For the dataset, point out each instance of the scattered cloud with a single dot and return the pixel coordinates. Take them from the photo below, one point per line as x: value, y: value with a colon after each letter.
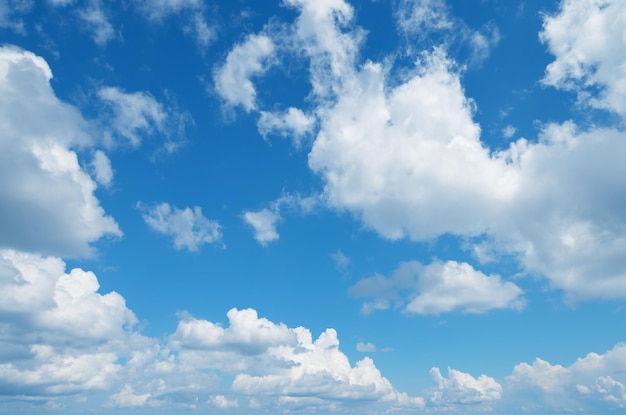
x: 597, y: 378
x: 264, y: 224
x: 265, y: 220
x: 46, y: 197
x: 292, y: 123
x: 131, y: 115
x: 95, y: 18
x: 10, y: 10
x: 432, y: 19
x: 188, y: 226
x: 233, y: 80
x: 586, y: 39
x: 509, y: 131
x: 102, y: 169
x: 342, y: 262
x: 366, y: 347
x: 437, y: 288
x: 462, y: 388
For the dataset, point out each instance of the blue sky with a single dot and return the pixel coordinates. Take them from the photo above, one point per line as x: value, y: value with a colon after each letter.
x: 390, y: 206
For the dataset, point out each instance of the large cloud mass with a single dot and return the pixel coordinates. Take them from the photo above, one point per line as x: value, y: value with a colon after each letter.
x: 47, y: 201
x: 405, y: 156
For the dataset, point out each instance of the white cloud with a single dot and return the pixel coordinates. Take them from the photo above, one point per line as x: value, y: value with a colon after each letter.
x: 246, y: 332
x: 509, y: 131
x: 264, y: 224
x: 95, y: 18
x: 159, y: 9
x: 64, y: 329
x: 188, y: 226
x: 422, y: 17
x: 127, y: 398
x: 405, y: 157
x: 281, y: 367
x: 366, y: 347
x: 463, y: 388
x: 586, y: 39
x: 220, y: 401
x: 248, y: 59
x: 444, y: 287
x: 102, y: 168
x: 9, y: 12
x: 431, y: 18
x: 292, y: 123
x: 131, y: 115
x: 319, y: 369
x: 437, y: 288
x: 342, y: 261
x: 47, y: 199
x: 192, y: 10
x: 596, y: 379
x: 264, y: 221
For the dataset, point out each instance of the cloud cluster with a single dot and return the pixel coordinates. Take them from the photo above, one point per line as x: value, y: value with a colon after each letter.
x: 63, y: 338
x: 586, y: 39
x: 405, y: 156
x: 189, y: 227
x: 264, y: 221
x: 46, y: 197
x: 437, y: 288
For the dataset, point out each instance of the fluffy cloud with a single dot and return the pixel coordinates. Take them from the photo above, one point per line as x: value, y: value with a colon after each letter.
x: 463, y: 388
x: 265, y: 220
x: 293, y: 124
x: 46, y: 197
x: 233, y: 80
x: 63, y: 330
x: 264, y: 224
x: 246, y: 332
x: 437, y: 288
x: 131, y: 115
x: 405, y: 155
x: 586, y: 39
x: 281, y: 366
x: 596, y: 379
x: 189, y: 227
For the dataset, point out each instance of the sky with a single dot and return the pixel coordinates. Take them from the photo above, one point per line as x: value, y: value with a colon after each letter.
x: 312, y: 206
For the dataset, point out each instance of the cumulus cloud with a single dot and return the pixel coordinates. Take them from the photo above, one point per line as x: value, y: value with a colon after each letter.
x: 264, y: 221
x: 233, y: 80
x: 596, y: 379
x: 463, y: 388
x: 264, y: 224
x: 405, y: 156
x: 189, y: 227
x: 131, y: 115
x: 292, y: 123
x: 437, y: 288
x: 46, y: 198
x: 280, y: 366
x: 62, y: 328
x: 586, y: 39
x: 62, y: 338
